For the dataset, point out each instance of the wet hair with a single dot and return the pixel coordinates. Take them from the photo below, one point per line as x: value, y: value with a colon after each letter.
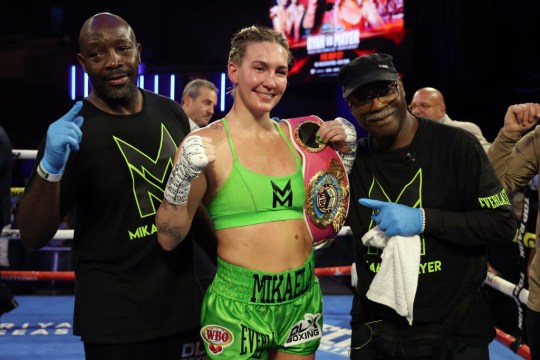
x: 194, y: 86
x: 254, y: 33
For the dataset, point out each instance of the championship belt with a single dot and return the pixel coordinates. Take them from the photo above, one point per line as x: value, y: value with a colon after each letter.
x: 325, y: 179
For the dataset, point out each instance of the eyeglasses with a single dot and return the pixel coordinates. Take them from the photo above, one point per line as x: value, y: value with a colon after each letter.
x: 385, y: 95
x: 423, y: 106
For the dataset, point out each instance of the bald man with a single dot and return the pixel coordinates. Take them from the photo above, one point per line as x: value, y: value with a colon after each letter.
x: 429, y: 103
x: 108, y: 158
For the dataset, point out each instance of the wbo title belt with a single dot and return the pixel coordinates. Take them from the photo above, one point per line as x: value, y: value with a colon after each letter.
x: 325, y: 179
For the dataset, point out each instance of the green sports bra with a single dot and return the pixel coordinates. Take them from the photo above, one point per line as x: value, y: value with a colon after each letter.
x: 248, y: 198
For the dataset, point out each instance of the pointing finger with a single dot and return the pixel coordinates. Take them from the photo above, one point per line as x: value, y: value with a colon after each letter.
x: 72, y: 114
x: 374, y: 204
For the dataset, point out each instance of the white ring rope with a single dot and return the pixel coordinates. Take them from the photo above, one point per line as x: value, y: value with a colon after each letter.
x: 506, y: 287
x: 24, y: 154
x: 67, y: 234
x: 62, y: 234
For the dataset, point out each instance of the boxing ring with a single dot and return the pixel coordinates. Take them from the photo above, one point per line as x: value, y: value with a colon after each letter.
x: 41, y: 326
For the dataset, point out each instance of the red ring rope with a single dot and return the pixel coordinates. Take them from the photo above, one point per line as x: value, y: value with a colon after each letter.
x: 333, y: 271
x: 70, y: 276
x: 508, y: 340
x: 37, y: 275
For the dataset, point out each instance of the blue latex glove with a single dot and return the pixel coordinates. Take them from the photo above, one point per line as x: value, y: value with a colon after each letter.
x: 395, y: 219
x: 63, y: 136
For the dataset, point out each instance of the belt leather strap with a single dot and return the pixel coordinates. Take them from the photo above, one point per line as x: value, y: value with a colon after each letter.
x: 325, y: 179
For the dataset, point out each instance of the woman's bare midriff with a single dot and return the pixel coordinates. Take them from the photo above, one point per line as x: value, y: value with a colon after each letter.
x: 271, y: 247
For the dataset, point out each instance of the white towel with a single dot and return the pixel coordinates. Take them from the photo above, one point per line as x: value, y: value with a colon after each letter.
x: 396, y: 281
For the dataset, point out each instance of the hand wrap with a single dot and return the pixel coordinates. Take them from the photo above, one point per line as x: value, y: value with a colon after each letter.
x: 350, y: 141
x: 191, y: 162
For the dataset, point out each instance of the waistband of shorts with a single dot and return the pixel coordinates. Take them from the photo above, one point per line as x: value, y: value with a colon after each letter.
x: 264, y: 288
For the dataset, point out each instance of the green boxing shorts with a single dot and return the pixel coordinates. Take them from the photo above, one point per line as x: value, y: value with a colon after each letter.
x: 245, y: 313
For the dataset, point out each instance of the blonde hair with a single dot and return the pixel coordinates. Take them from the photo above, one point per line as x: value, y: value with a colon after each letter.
x: 254, y: 33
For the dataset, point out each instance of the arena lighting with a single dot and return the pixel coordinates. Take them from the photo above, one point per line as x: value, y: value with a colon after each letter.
x: 141, y: 81
x: 79, y: 84
x: 156, y: 84
x: 72, y: 82
x: 222, y: 93
x: 172, y: 86
x: 86, y: 84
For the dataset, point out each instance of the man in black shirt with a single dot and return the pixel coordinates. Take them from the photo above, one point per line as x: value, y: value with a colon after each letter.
x: 108, y: 159
x: 6, y: 159
x: 432, y: 184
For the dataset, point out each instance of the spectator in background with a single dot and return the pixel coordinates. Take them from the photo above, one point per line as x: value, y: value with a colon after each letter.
x: 515, y: 155
x: 429, y: 103
x: 198, y: 101
x: 108, y: 159
x: 6, y: 163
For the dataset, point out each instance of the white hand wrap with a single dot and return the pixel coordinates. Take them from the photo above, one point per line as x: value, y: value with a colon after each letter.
x: 350, y: 141
x: 191, y: 162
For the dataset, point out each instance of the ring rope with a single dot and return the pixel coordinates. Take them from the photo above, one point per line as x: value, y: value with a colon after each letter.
x: 61, y: 234
x: 70, y: 275
x: 67, y: 234
x: 506, y: 287
x: 37, y: 275
x: 24, y: 154
x: 513, y: 344
x: 492, y: 280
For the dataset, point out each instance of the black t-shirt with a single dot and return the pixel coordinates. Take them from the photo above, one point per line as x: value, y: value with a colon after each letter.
x: 446, y: 172
x: 127, y: 288
x: 6, y: 159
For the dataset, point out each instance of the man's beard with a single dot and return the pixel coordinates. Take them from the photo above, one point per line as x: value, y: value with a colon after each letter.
x: 119, y: 93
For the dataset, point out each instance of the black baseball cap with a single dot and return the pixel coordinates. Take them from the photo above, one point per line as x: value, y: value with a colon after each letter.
x: 366, y: 69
